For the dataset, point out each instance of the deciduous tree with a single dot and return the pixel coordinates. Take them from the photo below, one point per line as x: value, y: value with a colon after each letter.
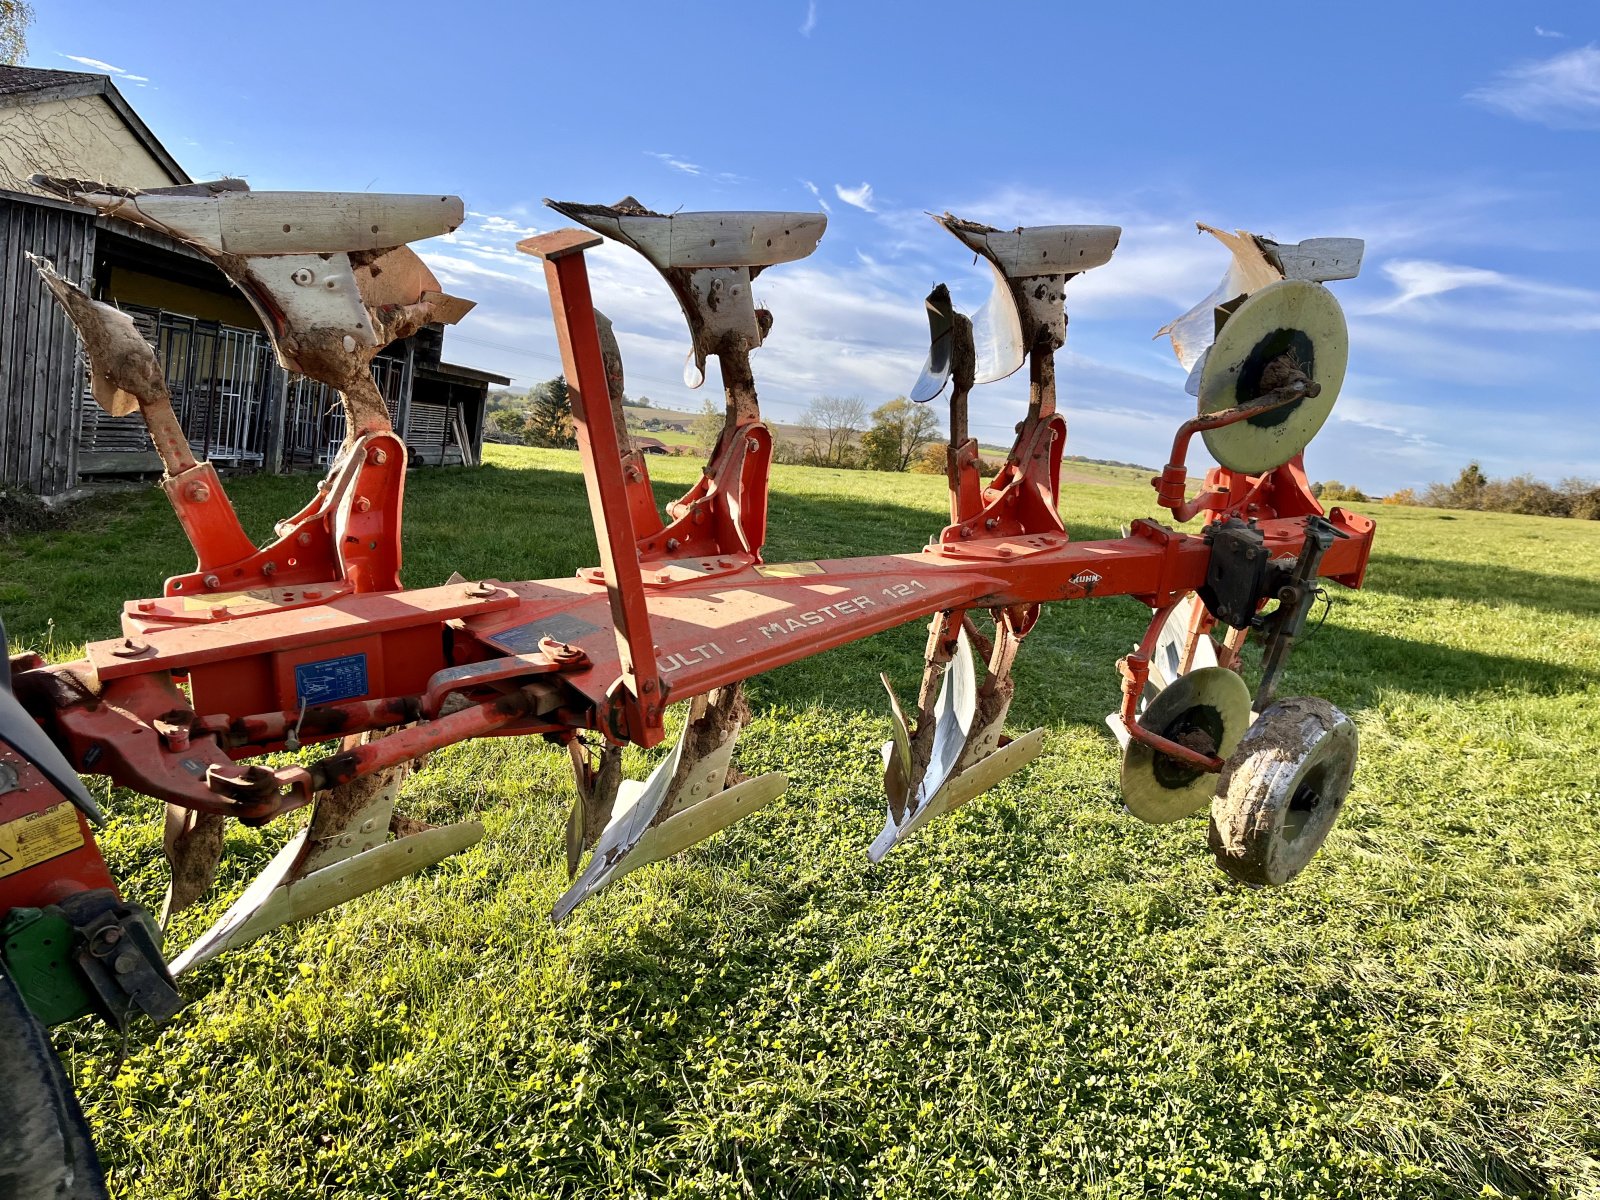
x: 830, y: 427
x: 899, y: 430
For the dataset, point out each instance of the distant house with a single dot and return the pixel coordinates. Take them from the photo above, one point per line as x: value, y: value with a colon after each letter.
x: 238, y: 406
x: 650, y: 445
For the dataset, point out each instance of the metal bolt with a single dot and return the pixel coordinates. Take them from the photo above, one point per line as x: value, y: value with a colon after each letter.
x: 270, y: 568
x: 673, y: 543
x: 126, y: 963
x: 211, y: 581
x: 724, y: 563
x: 131, y: 648
x: 304, y: 277
x: 379, y: 457
x: 648, y: 686
x: 346, y: 840
x: 218, y: 610
x: 369, y: 825
x: 304, y: 539
x: 991, y: 522
x: 311, y: 595
x: 663, y: 576
x: 363, y: 504
x: 752, y: 445
x: 198, y: 492
x: 481, y: 591
x: 147, y: 606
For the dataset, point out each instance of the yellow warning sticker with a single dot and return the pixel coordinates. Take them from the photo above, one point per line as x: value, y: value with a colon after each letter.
x: 222, y: 600
x: 39, y: 836
x: 789, y: 570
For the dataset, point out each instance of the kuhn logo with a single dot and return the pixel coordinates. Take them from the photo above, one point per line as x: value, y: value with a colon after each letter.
x: 1085, y: 579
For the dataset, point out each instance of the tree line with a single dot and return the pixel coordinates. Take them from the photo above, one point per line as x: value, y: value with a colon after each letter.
x: 1476, y: 491
x: 834, y: 431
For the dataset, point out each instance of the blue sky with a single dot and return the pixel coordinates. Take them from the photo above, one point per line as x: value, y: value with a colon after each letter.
x: 1461, y: 141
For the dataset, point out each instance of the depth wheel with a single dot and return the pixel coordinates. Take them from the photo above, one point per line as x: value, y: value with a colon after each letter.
x: 1282, y: 791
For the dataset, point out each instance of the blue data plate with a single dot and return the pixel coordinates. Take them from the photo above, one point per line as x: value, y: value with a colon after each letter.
x: 331, y: 679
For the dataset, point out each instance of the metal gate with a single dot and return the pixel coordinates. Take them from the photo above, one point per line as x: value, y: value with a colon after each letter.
x: 218, y: 376
x: 314, y: 421
x: 221, y: 379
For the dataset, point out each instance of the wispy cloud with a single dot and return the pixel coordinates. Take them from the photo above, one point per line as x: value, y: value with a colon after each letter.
x: 1418, y: 279
x: 1562, y: 91
x: 857, y: 197
x: 676, y: 163
x: 810, y: 22
x: 1541, y: 31
x: 1517, y: 303
x: 96, y: 63
x: 816, y: 195
x: 101, y: 65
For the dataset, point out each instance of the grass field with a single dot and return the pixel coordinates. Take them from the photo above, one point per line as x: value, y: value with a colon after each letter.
x: 1037, y: 997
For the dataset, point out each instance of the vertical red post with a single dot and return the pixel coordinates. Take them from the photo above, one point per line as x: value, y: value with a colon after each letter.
x: 600, y: 444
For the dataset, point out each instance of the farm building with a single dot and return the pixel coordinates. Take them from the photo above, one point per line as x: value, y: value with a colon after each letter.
x: 238, y: 406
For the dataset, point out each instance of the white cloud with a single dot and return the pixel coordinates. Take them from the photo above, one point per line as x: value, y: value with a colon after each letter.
x: 101, y: 65
x: 676, y: 163
x: 1562, y: 92
x: 1541, y: 31
x: 816, y: 195
x: 96, y: 63
x: 810, y: 22
x: 1426, y: 292
x: 494, y: 223
x: 1417, y: 279
x: 859, y: 197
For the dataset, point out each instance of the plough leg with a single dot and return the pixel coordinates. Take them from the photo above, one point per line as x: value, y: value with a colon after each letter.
x: 193, y: 844
x: 685, y: 800
x: 959, y: 748
x: 597, y: 798
x: 343, y: 852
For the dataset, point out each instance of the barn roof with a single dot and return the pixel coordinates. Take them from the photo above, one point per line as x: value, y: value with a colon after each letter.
x: 31, y: 85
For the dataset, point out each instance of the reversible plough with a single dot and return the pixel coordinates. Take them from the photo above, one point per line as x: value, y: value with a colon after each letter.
x: 311, y: 638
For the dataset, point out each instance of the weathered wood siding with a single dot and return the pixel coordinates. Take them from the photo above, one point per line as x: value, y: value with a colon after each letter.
x: 40, y: 369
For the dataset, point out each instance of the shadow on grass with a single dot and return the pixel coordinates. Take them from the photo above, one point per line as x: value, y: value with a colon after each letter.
x: 1483, y: 583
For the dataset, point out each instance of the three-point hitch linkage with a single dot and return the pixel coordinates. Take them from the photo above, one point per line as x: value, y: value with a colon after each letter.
x: 311, y: 639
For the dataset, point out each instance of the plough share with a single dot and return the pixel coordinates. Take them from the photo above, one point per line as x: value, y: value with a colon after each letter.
x: 312, y: 639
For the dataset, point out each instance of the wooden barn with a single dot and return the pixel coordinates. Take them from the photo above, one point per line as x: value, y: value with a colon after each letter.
x: 238, y: 406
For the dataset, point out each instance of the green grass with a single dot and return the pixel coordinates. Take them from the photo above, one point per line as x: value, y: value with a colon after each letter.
x: 1036, y: 997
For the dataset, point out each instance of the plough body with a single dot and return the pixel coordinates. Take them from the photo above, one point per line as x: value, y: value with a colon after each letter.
x: 312, y: 639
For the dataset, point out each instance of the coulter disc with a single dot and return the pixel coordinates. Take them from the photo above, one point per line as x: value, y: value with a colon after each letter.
x: 1293, y: 324
x: 1207, y: 710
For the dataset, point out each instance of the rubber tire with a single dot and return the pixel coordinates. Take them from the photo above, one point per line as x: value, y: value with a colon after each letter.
x: 1258, y: 833
x: 45, y: 1147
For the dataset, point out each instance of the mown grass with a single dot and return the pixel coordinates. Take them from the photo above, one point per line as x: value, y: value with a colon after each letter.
x: 1037, y: 997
